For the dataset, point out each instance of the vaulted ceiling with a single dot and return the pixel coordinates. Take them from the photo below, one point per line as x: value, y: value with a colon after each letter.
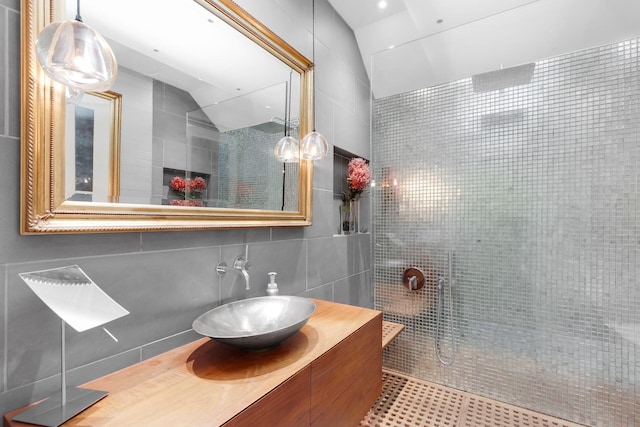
x: 411, y: 44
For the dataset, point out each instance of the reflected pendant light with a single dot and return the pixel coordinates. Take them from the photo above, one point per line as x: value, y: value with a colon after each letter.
x: 314, y: 146
x: 287, y: 149
x: 74, y: 54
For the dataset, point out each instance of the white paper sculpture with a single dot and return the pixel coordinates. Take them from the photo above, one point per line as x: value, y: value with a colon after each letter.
x: 78, y: 301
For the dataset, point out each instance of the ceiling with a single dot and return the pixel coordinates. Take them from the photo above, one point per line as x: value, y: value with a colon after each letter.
x: 413, y: 44
x: 220, y: 77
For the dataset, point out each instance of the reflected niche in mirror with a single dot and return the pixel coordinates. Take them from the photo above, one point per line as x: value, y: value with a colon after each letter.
x: 202, y: 106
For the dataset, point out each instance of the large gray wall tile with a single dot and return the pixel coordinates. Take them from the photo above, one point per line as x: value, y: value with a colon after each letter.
x: 324, y: 292
x: 170, y: 126
x: 203, y: 238
x: 324, y: 220
x: 13, y: 75
x: 4, y: 37
x: 163, y: 291
x: 163, y: 345
x: 323, y: 171
x: 166, y: 279
x: 350, y: 133
x: 354, y: 290
x: 13, y: 4
x: 99, y: 368
x: 285, y: 233
x: 287, y: 258
x: 328, y: 260
x: 17, y: 248
x: 3, y: 320
x: 290, y: 21
x: 31, y: 392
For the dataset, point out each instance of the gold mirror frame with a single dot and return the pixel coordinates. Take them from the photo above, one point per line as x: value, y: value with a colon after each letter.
x: 43, y: 205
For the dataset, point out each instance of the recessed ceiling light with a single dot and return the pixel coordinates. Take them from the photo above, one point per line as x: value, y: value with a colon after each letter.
x: 382, y: 4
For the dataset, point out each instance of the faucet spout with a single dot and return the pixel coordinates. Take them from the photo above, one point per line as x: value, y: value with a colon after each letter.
x: 245, y: 274
x: 242, y: 265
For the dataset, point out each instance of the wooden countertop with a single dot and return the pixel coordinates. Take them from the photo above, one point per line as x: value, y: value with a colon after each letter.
x: 207, y: 383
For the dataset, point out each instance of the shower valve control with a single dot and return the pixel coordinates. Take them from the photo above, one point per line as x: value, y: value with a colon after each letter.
x: 413, y: 279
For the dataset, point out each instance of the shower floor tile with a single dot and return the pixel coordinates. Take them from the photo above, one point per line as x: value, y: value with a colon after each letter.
x: 411, y: 402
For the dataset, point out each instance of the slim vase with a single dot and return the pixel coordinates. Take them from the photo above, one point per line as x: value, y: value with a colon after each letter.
x: 354, y: 210
x: 343, y: 225
x: 349, y: 211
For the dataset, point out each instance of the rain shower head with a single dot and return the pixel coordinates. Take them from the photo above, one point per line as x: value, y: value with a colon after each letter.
x: 505, y: 78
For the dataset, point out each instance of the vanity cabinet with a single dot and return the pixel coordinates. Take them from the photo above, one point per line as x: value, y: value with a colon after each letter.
x: 286, y: 405
x: 347, y: 380
x: 329, y: 374
x: 336, y: 389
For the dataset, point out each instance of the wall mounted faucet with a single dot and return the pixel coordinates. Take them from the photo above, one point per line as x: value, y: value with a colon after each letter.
x: 241, y: 263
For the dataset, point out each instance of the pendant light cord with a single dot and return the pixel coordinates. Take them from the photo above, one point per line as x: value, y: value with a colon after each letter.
x: 286, y: 100
x: 313, y: 57
x: 78, y: 17
x: 288, y: 119
x: 287, y: 105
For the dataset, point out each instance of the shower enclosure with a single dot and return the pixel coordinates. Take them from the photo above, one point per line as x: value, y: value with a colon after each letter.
x: 530, y: 178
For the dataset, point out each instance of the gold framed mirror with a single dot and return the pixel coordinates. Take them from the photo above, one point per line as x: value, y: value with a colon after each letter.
x: 47, y: 204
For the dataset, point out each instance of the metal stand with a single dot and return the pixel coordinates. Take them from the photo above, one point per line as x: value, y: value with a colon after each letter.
x: 62, y: 406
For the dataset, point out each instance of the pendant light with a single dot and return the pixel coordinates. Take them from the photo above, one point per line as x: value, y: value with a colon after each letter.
x: 287, y: 149
x: 314, y: 146
x: 74, y: 54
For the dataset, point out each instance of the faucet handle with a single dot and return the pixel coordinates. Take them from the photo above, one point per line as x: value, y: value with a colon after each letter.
x: 241, y: 263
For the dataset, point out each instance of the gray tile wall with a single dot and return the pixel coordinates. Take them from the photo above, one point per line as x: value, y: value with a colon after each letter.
x: 534, y: 189
x: 166, y: 279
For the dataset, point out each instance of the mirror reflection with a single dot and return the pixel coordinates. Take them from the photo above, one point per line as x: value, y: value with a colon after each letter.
x: 202, y: 110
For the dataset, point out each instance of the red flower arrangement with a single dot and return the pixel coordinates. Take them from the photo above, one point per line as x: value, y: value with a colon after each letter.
x: 197, y: 184
x: 180, y: 184
x: 358, y: 177
x: 179, y: 202
x: 177, y: 183
x: 194, y: 186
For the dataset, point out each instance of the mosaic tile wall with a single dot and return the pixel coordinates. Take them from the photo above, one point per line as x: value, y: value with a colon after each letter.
x: 530, y: 178
x: 249, y: 175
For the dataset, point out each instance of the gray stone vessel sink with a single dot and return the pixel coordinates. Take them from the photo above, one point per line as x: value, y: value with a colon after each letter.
x: 256, y: 324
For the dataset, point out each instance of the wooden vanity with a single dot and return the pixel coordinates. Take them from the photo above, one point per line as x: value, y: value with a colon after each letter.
x: 328, y: 374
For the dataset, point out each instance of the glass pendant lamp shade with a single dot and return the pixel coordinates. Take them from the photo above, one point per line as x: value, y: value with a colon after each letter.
x: 74, y: 54
x: 314, y: 146
x: 287, y: 150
